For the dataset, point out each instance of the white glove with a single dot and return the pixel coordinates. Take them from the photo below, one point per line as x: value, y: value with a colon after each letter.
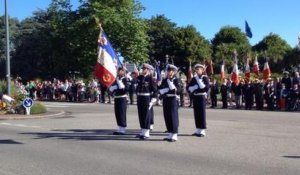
x: 120, y: 84
x: 193, y: 88
x: 153, y: 100
x: 163, y: 91
x: 112, y: 88
x: 200, y: 83
x: 171, y: 84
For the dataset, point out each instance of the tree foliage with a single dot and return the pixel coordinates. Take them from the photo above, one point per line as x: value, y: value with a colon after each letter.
x: 273, y: 48
x: 229, y: 40
x: 181, y: 44
x: 60, y: 41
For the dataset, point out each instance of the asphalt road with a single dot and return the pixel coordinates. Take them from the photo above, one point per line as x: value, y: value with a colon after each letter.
x: 80, y: 142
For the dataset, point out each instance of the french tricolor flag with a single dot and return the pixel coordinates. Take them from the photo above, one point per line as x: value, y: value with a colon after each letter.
x: 107, y: 61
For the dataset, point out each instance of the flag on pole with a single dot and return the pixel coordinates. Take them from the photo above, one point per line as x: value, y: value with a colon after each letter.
x: 248, y: 30
x: 209, y: 69
x: 222, y: 72
x: 107, y: 61
x: 235, y: 72
x: 247, y: 70
x: 190, y: 73
x: 256, y: 67
x: 267, y: 70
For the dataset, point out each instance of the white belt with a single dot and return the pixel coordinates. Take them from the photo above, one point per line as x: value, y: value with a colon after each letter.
x: 198, y: 94
x: 143, y: 94
x: 171, y: 95
x: 120, y: 96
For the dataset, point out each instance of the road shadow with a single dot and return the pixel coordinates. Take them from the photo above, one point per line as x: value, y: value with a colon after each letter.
x: 9, y: 142
x: 93, y: 135
x: 292, y: 157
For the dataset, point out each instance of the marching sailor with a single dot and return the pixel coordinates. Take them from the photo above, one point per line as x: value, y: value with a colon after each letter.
x: 198, y: 87
x: 119, y: 90
x: 169, y: 92
x: 146, y: 97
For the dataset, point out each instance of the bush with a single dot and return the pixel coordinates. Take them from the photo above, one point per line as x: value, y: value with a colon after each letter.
x: 38, y: 108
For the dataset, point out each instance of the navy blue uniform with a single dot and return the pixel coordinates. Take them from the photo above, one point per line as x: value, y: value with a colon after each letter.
x: 146, y: 90
x: 170, y: 103
x: 120, y: 96
x: 199, y: 100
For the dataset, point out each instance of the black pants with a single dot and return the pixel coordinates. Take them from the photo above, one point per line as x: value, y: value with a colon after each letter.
x: 199, y: 105
x: 170, y: 109
x: 224, y: 101
x: 213, y: 100
x: 120, y: 111
x: 144, y: 112
x: 131, y: 97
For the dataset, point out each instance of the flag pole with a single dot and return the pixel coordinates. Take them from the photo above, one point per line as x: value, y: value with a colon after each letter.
x: 7, y: 51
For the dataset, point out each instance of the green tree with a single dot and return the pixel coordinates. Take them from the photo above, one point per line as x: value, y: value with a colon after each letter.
x: 227, y: 41
x: 161, y: 32
x: 13, y: 31
x: 190, y: 46
x: 126, y: 30
x: 274, y: 48
x: 292, y: 60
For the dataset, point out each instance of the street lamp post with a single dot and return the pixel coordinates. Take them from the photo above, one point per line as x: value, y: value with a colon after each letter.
x: 7, y: 50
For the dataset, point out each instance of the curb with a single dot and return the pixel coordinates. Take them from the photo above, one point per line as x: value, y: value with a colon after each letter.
x: 23, y: 117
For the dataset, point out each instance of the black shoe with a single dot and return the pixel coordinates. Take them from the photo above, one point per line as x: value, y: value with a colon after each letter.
x: 172, y: 140
x: 118, y: 133
x: 138, y: 136
x: 143, y: 138
x: 198, y: 135
x: 167, y: 139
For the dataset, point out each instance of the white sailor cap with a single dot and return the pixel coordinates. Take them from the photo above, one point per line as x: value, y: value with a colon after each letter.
x: 285, y: 72
x: 171, y: 66
x: 147, y: 66
x: 199, y: 65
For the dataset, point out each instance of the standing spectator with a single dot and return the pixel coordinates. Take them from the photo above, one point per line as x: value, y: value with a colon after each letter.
x: 237, y: 90
x: 248, y: 91
x: 132, y: 87
x: 214, y: 90
x: 296, y: 79
x: 283, y: 97
x: 286, y: 80
x: 224, y: 93
x: 259, y: 94
x: 181, y: 93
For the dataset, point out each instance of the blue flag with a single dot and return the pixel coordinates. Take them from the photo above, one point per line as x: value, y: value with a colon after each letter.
x: 248, y: 30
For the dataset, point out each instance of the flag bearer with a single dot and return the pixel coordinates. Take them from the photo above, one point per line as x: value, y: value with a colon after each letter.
x: 146, y: 97
x: 119, y: 90
x: 199, y: 86
x: 169, y: 91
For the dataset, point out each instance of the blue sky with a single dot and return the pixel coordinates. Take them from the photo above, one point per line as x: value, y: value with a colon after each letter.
x: 208, y: 16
